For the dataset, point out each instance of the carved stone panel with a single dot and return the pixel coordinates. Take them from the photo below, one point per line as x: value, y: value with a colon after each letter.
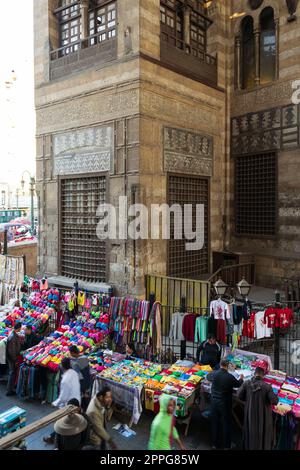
x: 188, y: 152
x: 84, y: 151
x: 268, y: 130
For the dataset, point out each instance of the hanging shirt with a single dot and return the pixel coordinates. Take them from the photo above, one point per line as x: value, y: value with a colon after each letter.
x: 201, y: 329
x: 270, y: 317
x: 81, y: 298
x: 246, y: 309
x: 176, y: 326
x: 285, y: 318
x: 188, y: 326
x: 261, y: 327
x: 219, y: 310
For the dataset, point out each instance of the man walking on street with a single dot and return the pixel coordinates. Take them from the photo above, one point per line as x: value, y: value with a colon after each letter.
x: 223, y: 384
x: 81, y: 365
x: 99, y: 412
x: 13, y: 349
x: 258, y: 423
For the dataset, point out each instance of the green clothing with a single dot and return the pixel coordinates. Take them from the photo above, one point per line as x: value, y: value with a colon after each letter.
x: 201, y: 329
x: 163, y: 430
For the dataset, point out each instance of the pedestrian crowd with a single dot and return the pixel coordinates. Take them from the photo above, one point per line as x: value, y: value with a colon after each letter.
x: 86, y: 427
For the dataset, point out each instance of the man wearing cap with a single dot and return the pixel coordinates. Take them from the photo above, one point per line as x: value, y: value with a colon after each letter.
x: 70, y: 431
x: 13, y: 349
x: 223, y: 384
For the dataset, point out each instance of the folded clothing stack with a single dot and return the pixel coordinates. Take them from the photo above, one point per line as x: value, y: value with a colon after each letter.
x: 276, y: 379
x: 178, y: 380
x: 132, y: 373
x: 100, y: 360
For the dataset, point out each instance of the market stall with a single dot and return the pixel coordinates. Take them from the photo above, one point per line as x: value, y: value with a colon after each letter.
x: 286, y: 413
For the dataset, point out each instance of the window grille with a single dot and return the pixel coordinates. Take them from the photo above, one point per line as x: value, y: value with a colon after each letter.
x: 256, y: 195
x: 182, y: 263
x: 83, y: 255
x: 102, y: 22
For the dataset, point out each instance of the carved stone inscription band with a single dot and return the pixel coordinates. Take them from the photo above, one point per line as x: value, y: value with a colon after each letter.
x: 188, y: 152
x: 84, y: 151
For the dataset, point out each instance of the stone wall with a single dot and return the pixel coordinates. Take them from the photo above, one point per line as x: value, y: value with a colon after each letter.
x: 284, y: 249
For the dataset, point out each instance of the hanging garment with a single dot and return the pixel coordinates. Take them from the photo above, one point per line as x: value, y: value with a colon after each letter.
x: 237, y: 314
x: 212, y: 326
x: 44, y: 284
x: 246, y: 309
x: 285, y: 318
x: 261, y: 328
x: 81, y: 299
x: 188, y: 326
x: 221, y: 331
x: 201, y: 329
x: 176, y: 327
x: 219, y: 310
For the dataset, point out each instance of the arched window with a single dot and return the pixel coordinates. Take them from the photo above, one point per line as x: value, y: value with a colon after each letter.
x: 267, y: 46
x: 247, y: 53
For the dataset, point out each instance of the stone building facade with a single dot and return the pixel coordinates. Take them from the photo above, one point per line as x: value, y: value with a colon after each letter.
x: 265, y: 132
x: 143, y: 98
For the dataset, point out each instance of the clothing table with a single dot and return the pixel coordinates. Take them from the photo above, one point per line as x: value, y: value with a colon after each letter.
x: 125, y: 396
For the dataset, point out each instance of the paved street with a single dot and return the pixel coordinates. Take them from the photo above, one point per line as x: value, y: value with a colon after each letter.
x: 198, y: 437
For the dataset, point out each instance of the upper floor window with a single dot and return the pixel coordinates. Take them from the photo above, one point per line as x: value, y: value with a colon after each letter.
x: 171, y: 18
x: 69, y: 18
x: 248, y: 53
x: 184, y: 25
x: 102, y: 22
x: 257, y: 52
x: 96, y: 25
x: 267, y: 46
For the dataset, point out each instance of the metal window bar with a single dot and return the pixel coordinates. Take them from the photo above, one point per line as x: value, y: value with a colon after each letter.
x: 256, y: 195
x: 181, y: 262
x: 83, y: 255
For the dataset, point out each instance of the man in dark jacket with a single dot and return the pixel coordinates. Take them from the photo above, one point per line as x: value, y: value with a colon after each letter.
x: 210, y: 352
x: 13, y: 349
x: 223, y: 384
x: 258, y: 422
x: 31, y: 339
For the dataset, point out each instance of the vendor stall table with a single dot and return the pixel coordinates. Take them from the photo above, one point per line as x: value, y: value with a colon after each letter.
x: 125, y: 396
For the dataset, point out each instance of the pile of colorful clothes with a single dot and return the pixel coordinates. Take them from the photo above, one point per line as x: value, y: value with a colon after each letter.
x: 38, y: 301
x: 86, y: 333
x: 178, y: 381
x: 275, y: 378
x: 132, y: 373
x: 288, y: 391
x: 101, y: 360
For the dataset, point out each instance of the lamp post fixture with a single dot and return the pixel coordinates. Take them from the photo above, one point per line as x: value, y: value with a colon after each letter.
x: 220, y: 287
x: 244, y: 288
x: 32, y: 190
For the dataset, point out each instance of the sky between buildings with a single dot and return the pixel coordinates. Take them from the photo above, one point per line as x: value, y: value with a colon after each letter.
x: 17, y: 115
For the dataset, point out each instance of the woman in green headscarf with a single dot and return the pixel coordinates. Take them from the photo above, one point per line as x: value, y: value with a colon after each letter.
x: 163, y: 430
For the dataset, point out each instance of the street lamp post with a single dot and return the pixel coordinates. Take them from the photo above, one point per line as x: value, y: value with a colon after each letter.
x: 32, y: 190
